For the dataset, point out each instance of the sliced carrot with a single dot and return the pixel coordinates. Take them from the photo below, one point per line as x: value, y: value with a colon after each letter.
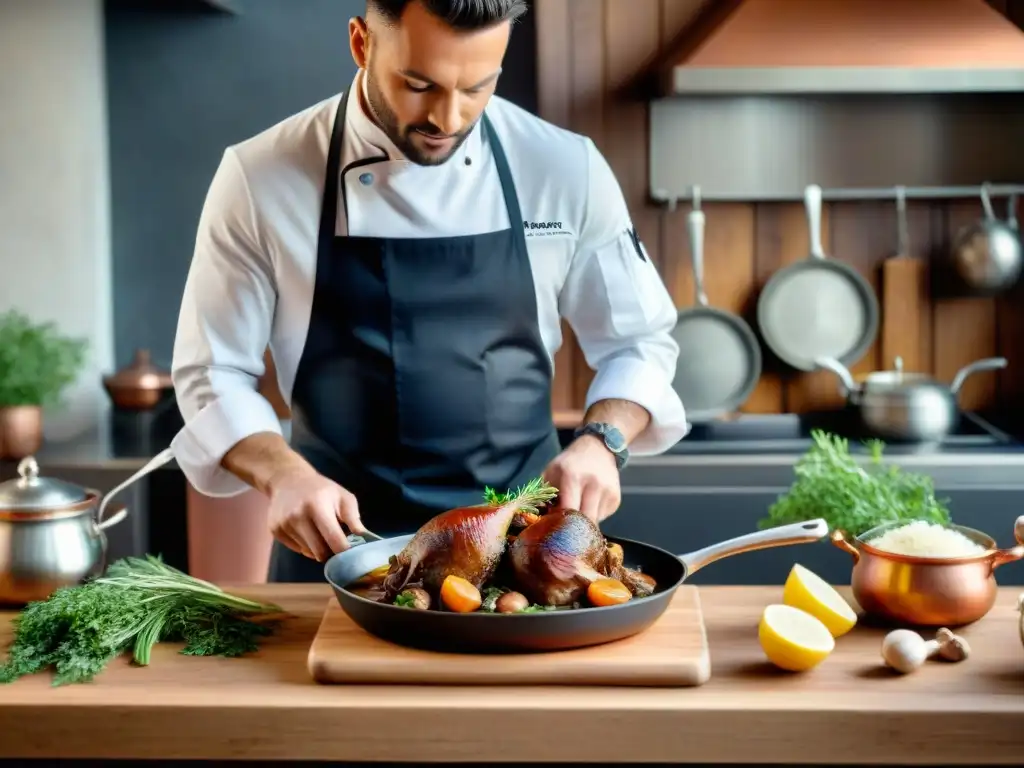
x: 459, y: 595
x: 603, y: 592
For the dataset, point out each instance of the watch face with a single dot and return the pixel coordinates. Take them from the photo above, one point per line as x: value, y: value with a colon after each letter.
x: 614, y: 440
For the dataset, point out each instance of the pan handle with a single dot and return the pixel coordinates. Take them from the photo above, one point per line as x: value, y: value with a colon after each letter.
x: 986, y: 202
x: 695, y: 228
x: 812, y: 202
x: 797, y: 533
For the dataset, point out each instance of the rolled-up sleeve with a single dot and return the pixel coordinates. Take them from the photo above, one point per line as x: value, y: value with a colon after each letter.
x: 223, y: 329
x: 622, y: 314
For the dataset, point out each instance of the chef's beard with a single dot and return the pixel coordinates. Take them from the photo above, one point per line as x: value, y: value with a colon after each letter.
x: 402, y: 137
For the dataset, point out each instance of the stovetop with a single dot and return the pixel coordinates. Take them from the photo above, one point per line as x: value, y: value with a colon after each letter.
x: 791, y: 433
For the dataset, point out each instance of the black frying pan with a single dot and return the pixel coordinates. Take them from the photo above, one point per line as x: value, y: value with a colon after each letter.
x: 548, y: 631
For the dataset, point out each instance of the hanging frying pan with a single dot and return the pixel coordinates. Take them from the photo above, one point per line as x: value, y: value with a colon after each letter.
x: 719, y: 355
x: 545, y: 630
x: 817, y: 307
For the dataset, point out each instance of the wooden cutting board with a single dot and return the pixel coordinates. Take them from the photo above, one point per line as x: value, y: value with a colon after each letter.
x: 671, y: 653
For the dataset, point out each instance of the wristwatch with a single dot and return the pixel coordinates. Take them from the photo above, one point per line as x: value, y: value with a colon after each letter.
x: 613, y: 440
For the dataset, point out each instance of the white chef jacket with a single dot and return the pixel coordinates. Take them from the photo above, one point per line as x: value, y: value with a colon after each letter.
x: 252, y: 274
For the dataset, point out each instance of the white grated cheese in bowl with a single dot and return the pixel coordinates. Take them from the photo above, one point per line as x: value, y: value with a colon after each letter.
x: 923, y: 539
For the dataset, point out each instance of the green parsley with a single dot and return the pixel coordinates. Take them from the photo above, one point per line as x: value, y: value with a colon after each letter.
x: 831, y: 484
x: 78, y: 630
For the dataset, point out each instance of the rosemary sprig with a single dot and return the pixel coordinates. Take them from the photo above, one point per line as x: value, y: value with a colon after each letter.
x: 527, y: 498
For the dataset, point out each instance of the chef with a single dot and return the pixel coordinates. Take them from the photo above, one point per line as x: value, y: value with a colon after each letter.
x: 407, y: 250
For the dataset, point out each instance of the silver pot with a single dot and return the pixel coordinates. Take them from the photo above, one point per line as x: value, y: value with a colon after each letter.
x: 987, y: 254
x: 51, y: 531
x: 899, y: 406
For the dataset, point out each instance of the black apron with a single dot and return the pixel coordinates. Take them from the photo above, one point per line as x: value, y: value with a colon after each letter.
x: 424, y: 377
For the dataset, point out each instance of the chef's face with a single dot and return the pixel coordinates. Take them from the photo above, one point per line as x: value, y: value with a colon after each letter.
x: 427, y: 82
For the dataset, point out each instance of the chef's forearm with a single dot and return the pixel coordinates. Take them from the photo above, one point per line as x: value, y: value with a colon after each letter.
x: 262, y: 459
x: 629, y: 418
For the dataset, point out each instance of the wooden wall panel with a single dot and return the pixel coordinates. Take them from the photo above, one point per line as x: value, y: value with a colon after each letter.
x: 593, y: 54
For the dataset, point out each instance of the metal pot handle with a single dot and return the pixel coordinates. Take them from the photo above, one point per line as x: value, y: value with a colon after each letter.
x: 156, y: 462
x: 988, y: 364
x: 797, y: 533
x: 847, y: 385
x: 842, y: 540
x: 1004, y: 556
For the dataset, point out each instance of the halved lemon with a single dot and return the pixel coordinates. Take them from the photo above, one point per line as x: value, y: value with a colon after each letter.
x: 810, y: 593
x: 792, y: 639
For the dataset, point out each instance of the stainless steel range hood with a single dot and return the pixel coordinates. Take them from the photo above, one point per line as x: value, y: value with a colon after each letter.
x: 756, y: 47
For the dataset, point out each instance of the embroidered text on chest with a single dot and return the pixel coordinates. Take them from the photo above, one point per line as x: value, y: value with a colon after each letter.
x: 545, y: 228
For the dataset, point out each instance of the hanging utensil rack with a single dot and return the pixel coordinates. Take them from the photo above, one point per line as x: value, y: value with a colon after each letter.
x: 888, y: 193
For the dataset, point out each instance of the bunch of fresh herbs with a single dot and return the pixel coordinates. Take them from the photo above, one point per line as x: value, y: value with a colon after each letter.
x: 80, y: 629
x: 831, y: 484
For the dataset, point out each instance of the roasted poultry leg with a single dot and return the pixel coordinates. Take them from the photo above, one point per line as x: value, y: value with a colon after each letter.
x: 466, y: 542
x: 556, y: 558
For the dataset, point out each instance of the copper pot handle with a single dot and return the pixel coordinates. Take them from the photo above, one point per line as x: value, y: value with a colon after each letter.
x: 1004, y: 556
x: 842, y: 540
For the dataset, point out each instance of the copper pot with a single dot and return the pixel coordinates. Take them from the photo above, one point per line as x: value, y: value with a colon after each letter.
x: 140, y: 386
x: 925, y: 591
x: 21, y: 431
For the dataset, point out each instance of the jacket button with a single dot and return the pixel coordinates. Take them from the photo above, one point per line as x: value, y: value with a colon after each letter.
x: 366, y: 179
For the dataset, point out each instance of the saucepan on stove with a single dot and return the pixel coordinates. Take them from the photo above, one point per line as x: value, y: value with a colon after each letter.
x: 546, y: 629
x: 906, y: 407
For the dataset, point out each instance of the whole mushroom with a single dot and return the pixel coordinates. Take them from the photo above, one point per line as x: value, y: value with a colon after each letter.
x: 905, y: 650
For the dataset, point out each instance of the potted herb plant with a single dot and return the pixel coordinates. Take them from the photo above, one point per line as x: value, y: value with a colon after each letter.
x: 37, y: 363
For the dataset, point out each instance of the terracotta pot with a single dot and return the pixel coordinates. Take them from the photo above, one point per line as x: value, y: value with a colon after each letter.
x: 21, y: 431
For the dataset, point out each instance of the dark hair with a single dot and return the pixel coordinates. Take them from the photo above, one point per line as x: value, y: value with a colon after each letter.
x: 460, y: 14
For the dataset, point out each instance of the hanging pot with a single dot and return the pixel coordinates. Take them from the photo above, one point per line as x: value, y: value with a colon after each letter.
x: 912, y: 407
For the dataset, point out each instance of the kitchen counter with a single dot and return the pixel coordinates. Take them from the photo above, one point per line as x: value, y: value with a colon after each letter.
x: 848, y: 710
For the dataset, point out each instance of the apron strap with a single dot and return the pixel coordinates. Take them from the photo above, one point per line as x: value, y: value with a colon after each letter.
x: 508, y: 186
x: 332, y: 183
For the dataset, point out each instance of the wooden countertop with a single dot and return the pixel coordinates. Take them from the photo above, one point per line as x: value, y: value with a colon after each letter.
x: 848, y: 710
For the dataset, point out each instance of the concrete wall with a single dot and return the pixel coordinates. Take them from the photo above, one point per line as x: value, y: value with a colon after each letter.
x: 55, y: 259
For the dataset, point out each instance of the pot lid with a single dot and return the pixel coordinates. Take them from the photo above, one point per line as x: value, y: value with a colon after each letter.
x: 142, y: 373
x: 30, y: 492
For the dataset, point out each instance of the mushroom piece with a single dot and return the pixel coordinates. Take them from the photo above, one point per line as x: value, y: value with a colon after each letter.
x: 905, y: 650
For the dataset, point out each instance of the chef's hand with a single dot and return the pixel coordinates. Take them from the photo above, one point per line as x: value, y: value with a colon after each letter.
x: 307, y: 510
x: 587, y: 478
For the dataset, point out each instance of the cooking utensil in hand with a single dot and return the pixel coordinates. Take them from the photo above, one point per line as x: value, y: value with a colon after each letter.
x: 906, y: 331
x: 818, y: 307
x: 51, y: 531
x: 546, y: 630
x: 719, y: 355
x: 987, y: 255
x: 924, y: 591
x: 911, y: 407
